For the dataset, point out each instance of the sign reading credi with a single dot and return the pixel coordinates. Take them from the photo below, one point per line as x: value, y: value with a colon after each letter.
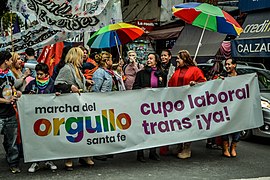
x: 258, y: 28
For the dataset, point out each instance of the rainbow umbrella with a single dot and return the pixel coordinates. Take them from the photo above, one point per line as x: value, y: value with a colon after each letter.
x: 114, y: 35
x: 207, y: 17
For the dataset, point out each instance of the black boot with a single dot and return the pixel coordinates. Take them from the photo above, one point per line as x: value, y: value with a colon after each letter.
x: 140, y: 156
x: 153, y: 155
x: 101, y: 158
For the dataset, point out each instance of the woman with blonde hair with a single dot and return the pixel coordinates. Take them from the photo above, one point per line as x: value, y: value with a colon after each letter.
x: 103, y: 80
x: 186, y: 73
x: 16, y: 69
x: 102, y: 77
x: 71, y: 79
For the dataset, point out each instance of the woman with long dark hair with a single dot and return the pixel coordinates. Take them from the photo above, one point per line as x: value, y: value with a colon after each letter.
x: 151, y: 76
x: 61, y: 62
x: 186, y: 73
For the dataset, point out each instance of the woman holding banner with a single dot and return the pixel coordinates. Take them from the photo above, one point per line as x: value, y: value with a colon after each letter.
x: 71, y: 79
x: 151, y: 76
x: 43, y: 84
x: 230, y: 65
x: 20, y: 83
x: 186, y: 73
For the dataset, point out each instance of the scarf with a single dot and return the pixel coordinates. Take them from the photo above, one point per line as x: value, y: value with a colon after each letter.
x: 4, y: 73
x: 42, y: 83
x: 109, y: 71
x: 115, y: 84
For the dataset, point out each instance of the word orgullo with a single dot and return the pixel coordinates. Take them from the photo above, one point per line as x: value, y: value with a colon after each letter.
x: 106, y: 122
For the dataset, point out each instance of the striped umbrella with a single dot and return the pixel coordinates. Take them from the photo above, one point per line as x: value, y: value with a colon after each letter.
x: 207, y: 17
x: 114, y: 35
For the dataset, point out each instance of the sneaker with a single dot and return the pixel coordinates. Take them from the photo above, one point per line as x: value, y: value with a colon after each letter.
x: 33, y: 168
x: 51, y: 165
x: 15, y: 169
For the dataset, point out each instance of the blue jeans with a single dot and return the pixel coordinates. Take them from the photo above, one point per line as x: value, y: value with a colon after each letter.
x: 8, y: 127
x: 235, y: 137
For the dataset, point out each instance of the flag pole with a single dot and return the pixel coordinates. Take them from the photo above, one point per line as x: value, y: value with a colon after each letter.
x: 11, y: 33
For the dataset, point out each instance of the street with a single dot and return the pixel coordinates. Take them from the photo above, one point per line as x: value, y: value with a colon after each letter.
x: 253, y: 161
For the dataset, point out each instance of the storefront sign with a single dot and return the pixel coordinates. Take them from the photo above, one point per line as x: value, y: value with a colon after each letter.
x: 255, y: 39
x: 214, y: 2
x: 251, y: 5
x: 251, y: 48
x: 256, y: 25
x: 146, y: 25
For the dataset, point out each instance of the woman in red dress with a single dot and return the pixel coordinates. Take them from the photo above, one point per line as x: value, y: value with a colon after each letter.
x: 186, y: 73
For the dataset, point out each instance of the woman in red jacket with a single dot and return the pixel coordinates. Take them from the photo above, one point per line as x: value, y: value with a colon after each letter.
x: 186, y: 73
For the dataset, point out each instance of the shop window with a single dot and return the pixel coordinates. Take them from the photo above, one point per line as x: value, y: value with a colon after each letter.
x: 126, y: 2
x: 159, y: 3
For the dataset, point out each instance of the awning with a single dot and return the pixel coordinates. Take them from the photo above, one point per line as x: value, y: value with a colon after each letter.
x: 169, y: 33
x: 255, y: 39
x: 189, y: 39
x: 251, y: 5
x: 256, y: 25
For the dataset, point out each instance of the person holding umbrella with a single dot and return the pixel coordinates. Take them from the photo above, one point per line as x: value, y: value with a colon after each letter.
x: 103, y: 81
x: 186, y: 73
x: 102, y: 77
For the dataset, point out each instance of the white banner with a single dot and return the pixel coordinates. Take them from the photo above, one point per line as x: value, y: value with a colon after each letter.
x: 72, y: 125
x: 72, y: 15
x: 36, y: 37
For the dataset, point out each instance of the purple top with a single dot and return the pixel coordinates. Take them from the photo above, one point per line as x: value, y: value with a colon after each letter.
x: 154, y: 78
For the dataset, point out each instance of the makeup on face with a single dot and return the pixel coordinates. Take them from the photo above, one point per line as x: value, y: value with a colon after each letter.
x: 151, y: 61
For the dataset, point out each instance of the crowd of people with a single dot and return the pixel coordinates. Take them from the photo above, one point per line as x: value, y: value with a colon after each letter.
x: 81, y: 72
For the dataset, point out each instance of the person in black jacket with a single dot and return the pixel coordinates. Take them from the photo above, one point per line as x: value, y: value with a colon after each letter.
x: 151, y: 76
x: 42, y: 84
x: 61, y: 63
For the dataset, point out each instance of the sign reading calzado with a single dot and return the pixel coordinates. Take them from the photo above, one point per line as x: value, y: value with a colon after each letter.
x: 255, y: 39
